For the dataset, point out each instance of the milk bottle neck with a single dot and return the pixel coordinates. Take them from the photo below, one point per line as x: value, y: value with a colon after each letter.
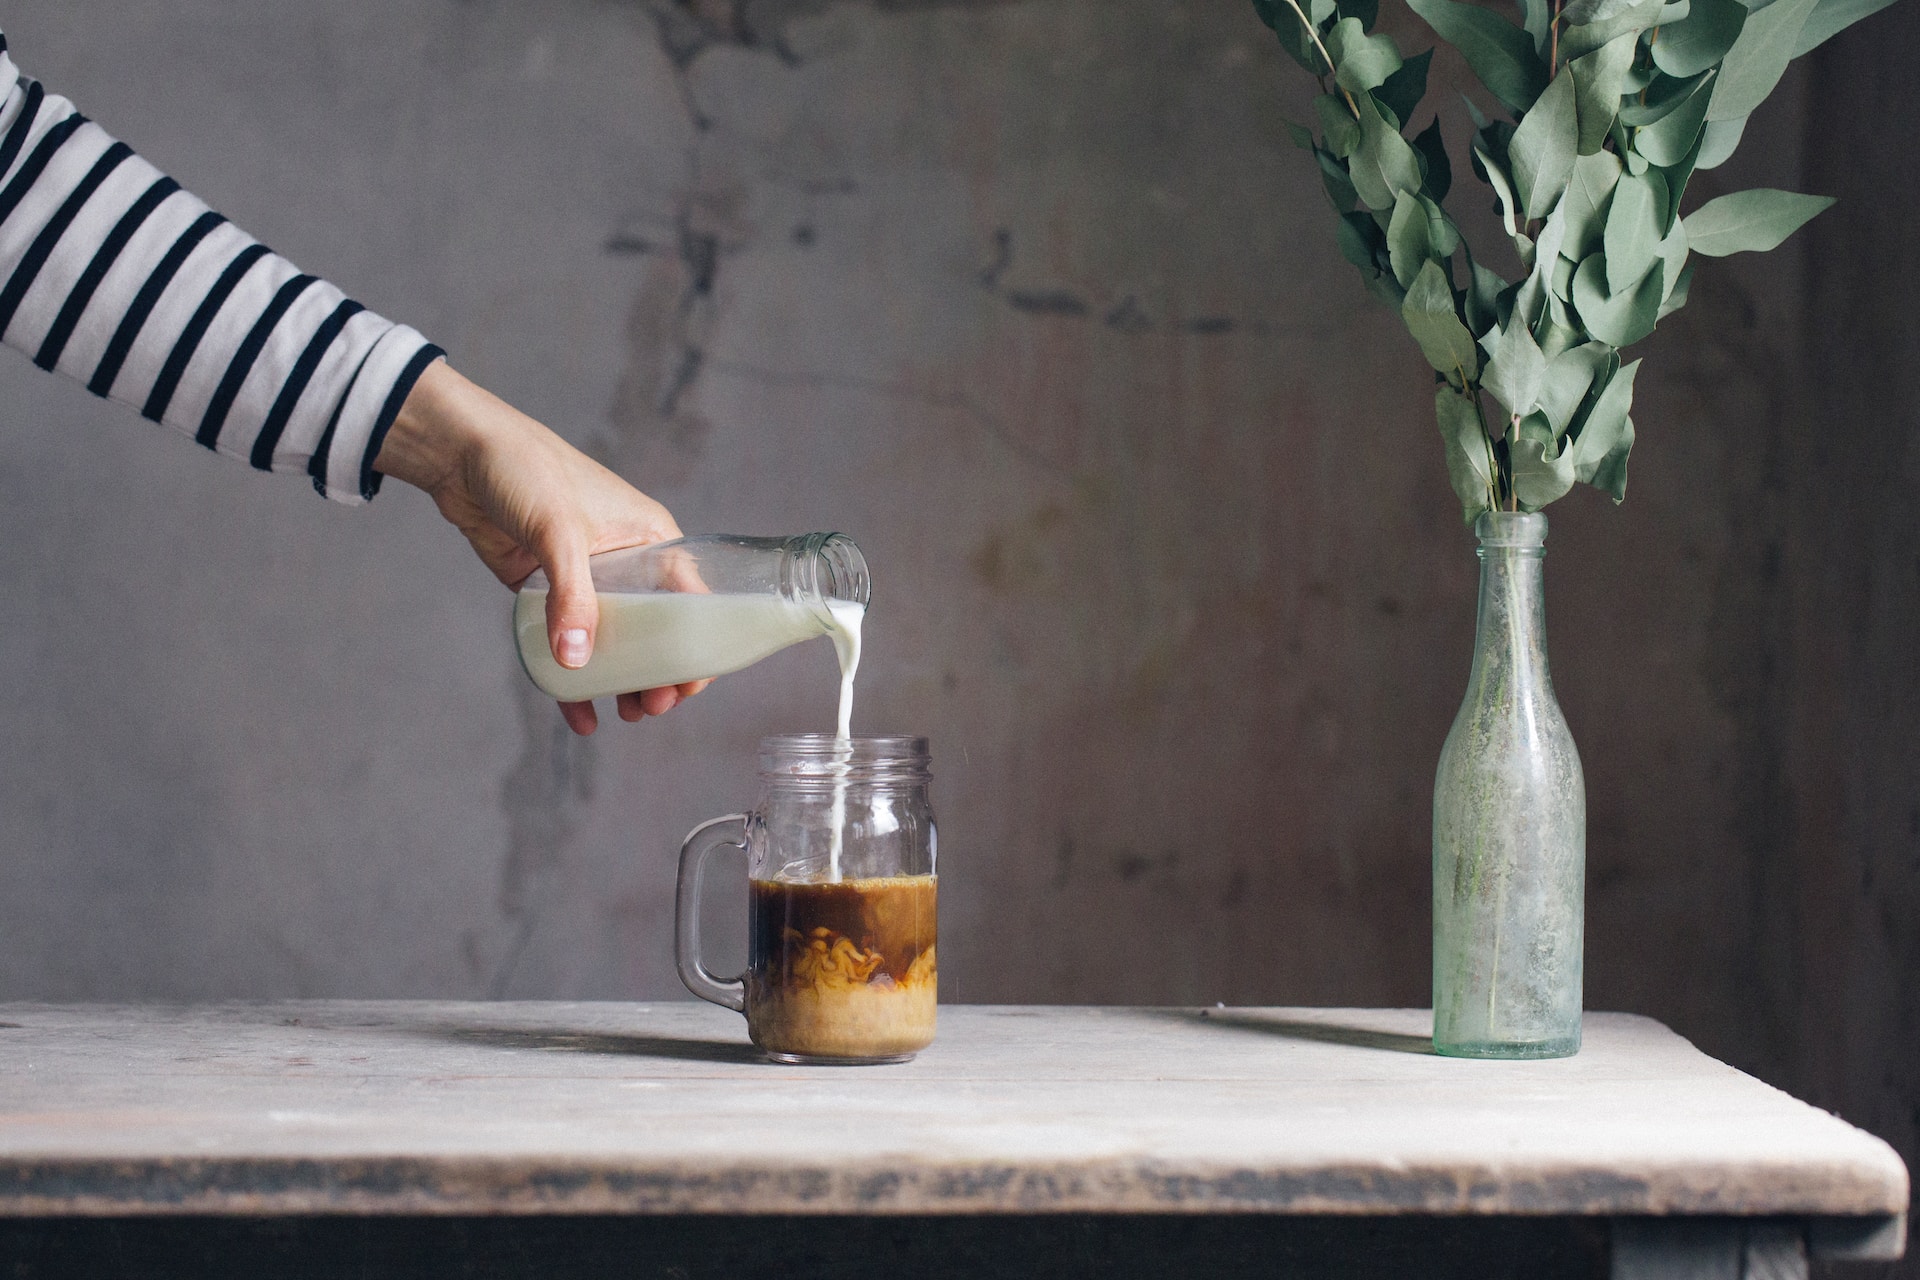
x: 819, y: 568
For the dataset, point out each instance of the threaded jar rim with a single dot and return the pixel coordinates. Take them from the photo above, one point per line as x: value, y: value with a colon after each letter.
x: 817, y: 759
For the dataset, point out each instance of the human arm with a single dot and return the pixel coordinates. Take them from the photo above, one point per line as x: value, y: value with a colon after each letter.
x: 114, y: 275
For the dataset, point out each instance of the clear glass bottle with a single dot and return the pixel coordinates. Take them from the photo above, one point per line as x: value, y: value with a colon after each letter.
x: 1509, y: 827
x: 696, y: 607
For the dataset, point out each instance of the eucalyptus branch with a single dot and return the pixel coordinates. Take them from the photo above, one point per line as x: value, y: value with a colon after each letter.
x: 1313, y: 33
x: 1589, y: 182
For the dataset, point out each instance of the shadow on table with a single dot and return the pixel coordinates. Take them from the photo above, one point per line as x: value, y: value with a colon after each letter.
x: 1299, y: 1029
x: 612, y: 1044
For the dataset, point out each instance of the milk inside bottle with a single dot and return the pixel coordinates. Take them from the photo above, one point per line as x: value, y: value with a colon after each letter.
x: 703, y: 606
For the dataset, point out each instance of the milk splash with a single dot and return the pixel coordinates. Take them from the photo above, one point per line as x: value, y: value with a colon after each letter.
x: 847, y: 616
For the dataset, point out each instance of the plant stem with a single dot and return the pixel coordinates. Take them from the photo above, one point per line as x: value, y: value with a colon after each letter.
x: 1497, y: 480
x: 1313, y: 33
x: 1553, y: 43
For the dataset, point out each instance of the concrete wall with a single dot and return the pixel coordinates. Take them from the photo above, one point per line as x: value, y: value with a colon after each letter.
x: 1034, y: 299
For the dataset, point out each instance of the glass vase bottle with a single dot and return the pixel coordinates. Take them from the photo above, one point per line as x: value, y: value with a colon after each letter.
x: 1509, y: 827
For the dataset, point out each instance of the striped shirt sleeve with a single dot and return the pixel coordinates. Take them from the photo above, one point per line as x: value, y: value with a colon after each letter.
x: 112, y: 274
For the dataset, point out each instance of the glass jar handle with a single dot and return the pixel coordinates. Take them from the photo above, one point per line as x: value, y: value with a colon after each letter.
x: 729, y: 832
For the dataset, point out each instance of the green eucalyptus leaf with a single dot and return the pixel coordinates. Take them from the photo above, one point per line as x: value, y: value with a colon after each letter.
x: 1610, y: 477
x: 1750, y: 221
x: 1333, y: 177
x: 1501, y: 54
x: 1671, y: 139
x: 1383, y: 163
x: 1830, y: 18
x: 1633, y: 234
x: 1718, y: 140
x: 1469, y: 468
x: 1429, y: 312
x: 1302, y: 136
x: 1514, y: 369
x: 1758, y: 58
x: 1361, y: 61
x: 1320, y: 11
x: 1677, y: 175
x: 1662, y: 95
x: 1563, y: 388
x: 1359, y: 238
x: 1618, y: 319
x: 1292, y: 34
x: 1527, y: 305
x: 1401, y: 92
x: 1483, y: 296
x: 1544, y: 147
x: 1677, y: 296
x: 1606, y: 435
x: 1407, y: 245
x: 1559, y: 315
x: 1542, y: 471
x: 1502, y: 190
x: 1337, y: 124
x: 1560, y: 282
x: 1663, y: 203
x: 1578, y: 13
x: 1553, y: 238
x: 1536, y: 16
x: 1597, y: 80
x: 1433, y: 154
x: 1584, y: 207
x: 1441, y: 233
x: 1555, y: 338
x: 1674, y: 12
x: 1673, y: 250
x: 1687, y: 48
x: 1368, y: 11
x: 1578, y: 42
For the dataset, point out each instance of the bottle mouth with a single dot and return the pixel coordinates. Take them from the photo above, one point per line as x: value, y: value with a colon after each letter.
x: 821, y: 759
x: 830, y: 566
x: 1526, y: 530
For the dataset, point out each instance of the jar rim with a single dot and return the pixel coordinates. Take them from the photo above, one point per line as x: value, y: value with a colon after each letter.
x: 818, y: 757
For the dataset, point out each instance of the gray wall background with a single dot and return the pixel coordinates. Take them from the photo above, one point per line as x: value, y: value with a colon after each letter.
x: 1035, y: 299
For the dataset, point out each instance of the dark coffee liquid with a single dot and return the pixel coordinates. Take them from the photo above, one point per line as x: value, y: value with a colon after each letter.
x: 842, y: 970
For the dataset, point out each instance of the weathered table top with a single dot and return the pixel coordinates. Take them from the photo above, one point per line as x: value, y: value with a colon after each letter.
x: 404, y: 1107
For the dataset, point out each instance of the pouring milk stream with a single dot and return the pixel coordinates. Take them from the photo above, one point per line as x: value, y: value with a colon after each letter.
x: 706, y: 606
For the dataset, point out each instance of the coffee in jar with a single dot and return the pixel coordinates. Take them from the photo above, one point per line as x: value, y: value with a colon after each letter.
x: 842, y: 969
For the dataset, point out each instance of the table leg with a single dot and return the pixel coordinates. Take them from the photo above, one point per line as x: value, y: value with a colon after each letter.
x: 1708, y: 1249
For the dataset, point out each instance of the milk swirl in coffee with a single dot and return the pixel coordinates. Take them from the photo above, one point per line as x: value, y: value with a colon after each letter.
x: 842, y: 970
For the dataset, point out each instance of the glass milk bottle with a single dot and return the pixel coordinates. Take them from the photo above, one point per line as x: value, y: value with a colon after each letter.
x: 697, y: 607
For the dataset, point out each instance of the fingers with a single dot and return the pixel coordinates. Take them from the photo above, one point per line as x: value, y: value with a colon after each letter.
x: 692, y: 687
x: 579, y: 717
x: 573, y: 612
x: 635, y: 707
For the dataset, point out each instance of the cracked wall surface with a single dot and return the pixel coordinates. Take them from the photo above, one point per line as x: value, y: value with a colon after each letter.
x: 1035, y: 300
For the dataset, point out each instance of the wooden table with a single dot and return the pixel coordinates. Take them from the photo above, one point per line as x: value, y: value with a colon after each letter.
x: 1248, y: 1120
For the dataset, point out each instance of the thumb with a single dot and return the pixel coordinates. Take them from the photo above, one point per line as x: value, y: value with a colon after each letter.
x: 573, y: 612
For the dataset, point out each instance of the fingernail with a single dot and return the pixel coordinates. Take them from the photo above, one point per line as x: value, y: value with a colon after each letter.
x: 573, y: 647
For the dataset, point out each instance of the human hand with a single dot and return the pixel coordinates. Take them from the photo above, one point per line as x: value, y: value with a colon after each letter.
x: 526, y: 500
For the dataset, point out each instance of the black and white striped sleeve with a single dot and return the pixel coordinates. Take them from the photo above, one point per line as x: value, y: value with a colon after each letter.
x: 113, y: 275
